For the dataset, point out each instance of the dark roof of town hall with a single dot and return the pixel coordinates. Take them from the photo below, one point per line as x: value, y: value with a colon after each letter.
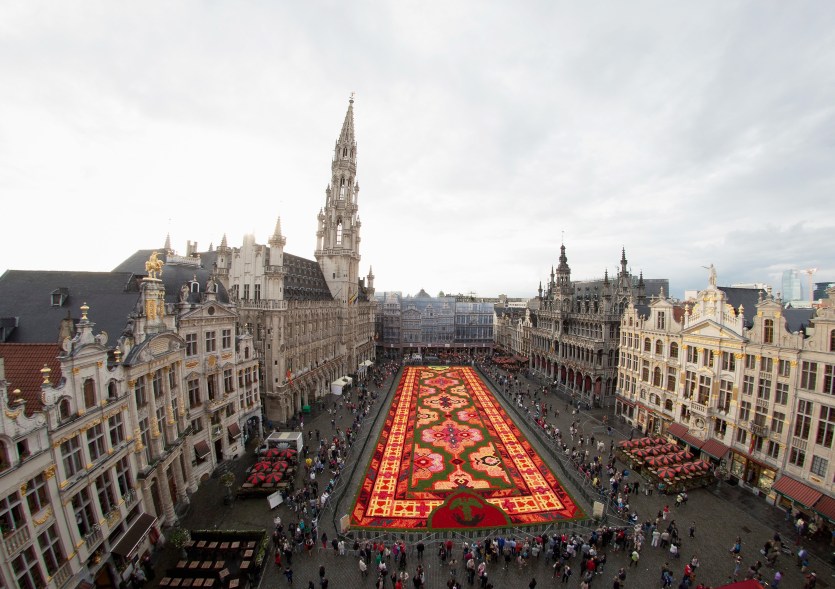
x: 304, y: 280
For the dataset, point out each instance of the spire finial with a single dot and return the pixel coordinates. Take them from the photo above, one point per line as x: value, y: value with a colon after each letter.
x: 351, y: 100
x: 84, y: 309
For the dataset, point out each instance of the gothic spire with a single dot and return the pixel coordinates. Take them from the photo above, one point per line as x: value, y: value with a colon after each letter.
x: 346, y: 137
x: 623, y: 260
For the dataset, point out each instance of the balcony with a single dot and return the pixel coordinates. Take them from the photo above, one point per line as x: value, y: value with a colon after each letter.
x: 758, y: 430
x: 17, y: 539
x: 63, y: 574
x: 698, y: 408
x: 217, y: 429
x: 93, y: 537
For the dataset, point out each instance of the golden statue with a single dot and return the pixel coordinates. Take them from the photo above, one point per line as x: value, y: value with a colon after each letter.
x: 154, y: 266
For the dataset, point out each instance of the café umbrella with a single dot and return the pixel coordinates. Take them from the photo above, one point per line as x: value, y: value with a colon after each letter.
x: 261, y: 466
x: 256, y: 478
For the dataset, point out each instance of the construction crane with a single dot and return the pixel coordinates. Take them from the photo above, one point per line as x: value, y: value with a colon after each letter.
x: 809, y: 272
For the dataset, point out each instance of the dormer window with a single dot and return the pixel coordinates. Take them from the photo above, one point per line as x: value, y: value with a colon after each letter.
x: 58, y: 297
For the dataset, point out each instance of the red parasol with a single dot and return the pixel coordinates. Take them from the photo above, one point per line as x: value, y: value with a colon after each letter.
x: 273, y: 477
x: 280, y: 466
x: 256, y: 478
x: 272, y: 452
x: 666, y: 472
x: 262, y: 466
x: 287, y: 453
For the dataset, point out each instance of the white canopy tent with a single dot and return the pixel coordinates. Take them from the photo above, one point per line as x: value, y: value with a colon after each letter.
x: 339, y: 384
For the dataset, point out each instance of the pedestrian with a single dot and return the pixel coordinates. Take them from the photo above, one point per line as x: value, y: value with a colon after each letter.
x: 532, y: 584
x: 277, y: 558
x: 324, y: 540
x: 321, y: 573
x: 566, y: 574
x: 634, y: 559
x: 693, y: 530
x: 778, y: 576
x: 363, y: 567
x: 288, y: 572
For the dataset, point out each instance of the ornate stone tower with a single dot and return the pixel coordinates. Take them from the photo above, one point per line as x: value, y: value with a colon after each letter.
x: 338, y: 236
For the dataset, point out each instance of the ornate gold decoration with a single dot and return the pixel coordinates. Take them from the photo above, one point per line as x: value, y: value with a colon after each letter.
x: 84, y: 309
x: 64, y: 484
x: 151, y: 308
x: 99, y: 363
x: 45, y: 372
x: 12, y: 414
x: 191, y: 364
x: 47, y: 514
x: 76, y: 370
x: 132, y: 383
x: 154, y: 266
x: 793, y: 363
x: 49, y: 472
x: 777, y: 314
x: 23, y: 488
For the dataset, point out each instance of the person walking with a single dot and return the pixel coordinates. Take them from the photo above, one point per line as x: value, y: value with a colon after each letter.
x: 566, y: 574
x: 288, y: 572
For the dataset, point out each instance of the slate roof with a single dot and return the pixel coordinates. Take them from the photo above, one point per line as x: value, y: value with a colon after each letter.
x: 798, y: 319
x: 304, y: 280
x: 747, y: 297
x: 23, y: 363
x: 175, y: 275
x: 26, y: 300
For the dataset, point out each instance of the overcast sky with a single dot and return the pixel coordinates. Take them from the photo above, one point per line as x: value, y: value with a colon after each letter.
x: 688, y: 133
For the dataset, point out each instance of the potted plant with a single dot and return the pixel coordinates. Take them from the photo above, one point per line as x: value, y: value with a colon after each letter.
x: 227, y: 479
x: 178, y: 538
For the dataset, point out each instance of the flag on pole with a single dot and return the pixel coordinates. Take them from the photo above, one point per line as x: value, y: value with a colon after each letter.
x: 289, y: 376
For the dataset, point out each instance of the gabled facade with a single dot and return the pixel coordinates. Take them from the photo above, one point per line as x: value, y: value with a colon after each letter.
x: 577, y: 328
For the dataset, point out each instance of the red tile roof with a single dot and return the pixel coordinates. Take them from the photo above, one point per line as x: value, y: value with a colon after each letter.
x: 797, y: 491
x: 677, y: 430
x: 692, y: 440
x: 23, y: 363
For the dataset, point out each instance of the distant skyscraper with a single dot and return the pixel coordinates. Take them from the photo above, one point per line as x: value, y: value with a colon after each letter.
x: 792, y: 286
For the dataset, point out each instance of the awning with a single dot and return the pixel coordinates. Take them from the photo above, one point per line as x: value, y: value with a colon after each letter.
x: 677, y: 430
x: 715, y: 448
x: 337, y: 385
x: 692, y: 440
x: 797, y: 491
x: 367, y: 363
x: 135, y: 534
x: 826, y: 507
x: 202, y: 450
x: 234, y: 431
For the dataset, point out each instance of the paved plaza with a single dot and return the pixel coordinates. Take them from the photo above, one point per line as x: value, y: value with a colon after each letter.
x: 720, y: 515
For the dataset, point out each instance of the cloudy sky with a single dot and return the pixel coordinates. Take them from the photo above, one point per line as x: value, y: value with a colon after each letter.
x: 688, y: 133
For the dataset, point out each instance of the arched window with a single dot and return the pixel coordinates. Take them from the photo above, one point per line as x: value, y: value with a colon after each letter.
x: 768, y: 331
x: 668, y: 405
x: 344, y: 152
x: 89, y: 393
x: 674, y: 350
x: 832, y: 341
x: 64, y: 409
x: 339, y: 233
x: 659, y: 347
x: 656, y: 377
x: 342, y: 189
x: 647, y: 345
x: 112, y: 390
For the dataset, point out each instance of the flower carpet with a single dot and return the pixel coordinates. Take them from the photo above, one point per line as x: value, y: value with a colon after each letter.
x: 449, y: 457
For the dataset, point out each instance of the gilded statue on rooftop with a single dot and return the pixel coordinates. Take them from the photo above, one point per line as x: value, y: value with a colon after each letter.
x: 154, y: 266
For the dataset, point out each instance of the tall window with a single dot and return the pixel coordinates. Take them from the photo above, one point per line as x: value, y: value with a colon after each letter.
x: 797, y: 456
x: 659, y: 347
x: 140, y: 393
x: 781, y: 393
x: 104, y: 487
x: 50, y: 545
x: 116, y: 429
x: 656, y: 377
x: 826, y: 426
x: 748, y: 385
x: 832, y: 341
x: 27, y: 571
x: 194, y: 393
x: 36, y: 493
x: 227, y: 339
x: 728, y: 361
x: 783, y: 368
x: 246, y: 292
x: 71, y: 455
x: 692, y: 355
x: 342, y: 189
x: 145, y: 434
x: 768, y: 331
x: 228, y: 381
x: 671, y: 378
x: 124, y: 480
x: 689, y: 384
x: 808, y: 375
x: 211, y: 342
x: 777, y: 421
x: 156, y: 384
x: 766, y: 364
x: 750, y: 361
x: 89, y: 393
x: 725, y: 395
x: 829, y: 379
x: 95, y: 442
x: 764, y: 387
x: 11, y: 512
x: 661, y: 320
x: 339, y: 233
x: 744, y: 411
x: 704, y: 389
x: 803, y: 422
x: 674, y: 350
x: 161, y: 423
x: 257, y: 292
x: 647, y: 345
x: 85, y: 517
x: 191, y: 344
x: 819, y: 466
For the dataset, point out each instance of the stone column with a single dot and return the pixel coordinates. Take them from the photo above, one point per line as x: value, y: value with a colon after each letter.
x: 165, y: 496
x: 176, y: 467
